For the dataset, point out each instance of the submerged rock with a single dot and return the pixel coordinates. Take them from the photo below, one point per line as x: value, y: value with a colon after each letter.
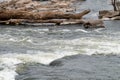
x: 94, y: 24
x: 56, y: 63
x: 78, y: 67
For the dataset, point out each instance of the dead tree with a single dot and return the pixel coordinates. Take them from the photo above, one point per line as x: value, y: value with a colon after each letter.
x: 114, y: 5
x: 17, y: 12
x: 118, y: 6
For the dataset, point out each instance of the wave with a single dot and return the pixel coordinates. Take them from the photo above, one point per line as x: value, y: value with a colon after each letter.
x: 61, y: 48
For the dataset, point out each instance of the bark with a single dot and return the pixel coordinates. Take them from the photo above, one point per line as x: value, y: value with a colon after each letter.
x: 108, y: 14
x: 28, y: 11
x: 5, y: 4
x: 35, y: 6
x: 116, y: 18
x: 20, y: 21
x: 114, y: 5
x: 77, y: 21
x: 18, y: 14
x: 56, y: 21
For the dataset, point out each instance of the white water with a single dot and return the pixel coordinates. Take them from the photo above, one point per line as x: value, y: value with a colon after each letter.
x: 8, y: 66
x: 87, y: 45
x: 9, y: 61
x: 37, y: 45
x: 56, y: 48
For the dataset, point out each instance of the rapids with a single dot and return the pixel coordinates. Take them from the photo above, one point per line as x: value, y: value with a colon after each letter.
x: 32, y: 46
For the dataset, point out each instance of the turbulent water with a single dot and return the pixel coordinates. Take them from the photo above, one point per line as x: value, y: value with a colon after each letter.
x: 27, y: 51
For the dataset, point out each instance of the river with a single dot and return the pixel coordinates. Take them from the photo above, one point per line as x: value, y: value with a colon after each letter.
x: 67, y: 52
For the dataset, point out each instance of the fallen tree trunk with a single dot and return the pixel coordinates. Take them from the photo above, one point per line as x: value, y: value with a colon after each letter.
x: 74, y: 21
x: 6, y: 3
x: 18, y: 14
x: 28, y: 11
x: 86, y: 23
x: 14, y: 4
x: 20, y: 21
x: 56, y: 21
x: 108, y: 14
x: 115, y: 18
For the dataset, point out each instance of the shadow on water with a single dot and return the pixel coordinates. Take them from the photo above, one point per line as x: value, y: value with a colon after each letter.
x: 78, y: 67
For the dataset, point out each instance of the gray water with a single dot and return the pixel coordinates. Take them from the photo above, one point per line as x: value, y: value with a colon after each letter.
x: 36, y: 52
x: 79, y: 67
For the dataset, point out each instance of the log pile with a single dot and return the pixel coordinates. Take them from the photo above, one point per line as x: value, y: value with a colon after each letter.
x: 111, y: 14
x: 27, y: 11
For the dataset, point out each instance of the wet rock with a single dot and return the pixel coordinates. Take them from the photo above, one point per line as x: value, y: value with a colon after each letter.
x: 93, y: 24
x: 56, y: 63
x: 1, y: 68
x: 30, y: 79
x: 77, y: 67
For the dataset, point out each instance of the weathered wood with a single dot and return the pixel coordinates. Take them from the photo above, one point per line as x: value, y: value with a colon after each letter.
x: 27, y: 11
x: 20, y: 21
x: 114, y: 5
x: 35, y: 6
x: 12, y: 21
x: 115, y: 18
x: 108, y: 14
x: 73, y: 21
x: 5, y: 4
x: 56, y: 21
x: 18, y: 14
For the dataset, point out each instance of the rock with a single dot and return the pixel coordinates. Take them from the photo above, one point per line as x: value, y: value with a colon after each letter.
x: 56, y: 63
x: 94, y: 24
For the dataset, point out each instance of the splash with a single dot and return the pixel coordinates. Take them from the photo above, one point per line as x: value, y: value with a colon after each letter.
x: 8, y: 67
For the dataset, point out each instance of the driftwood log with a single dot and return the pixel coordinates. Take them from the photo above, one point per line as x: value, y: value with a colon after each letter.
x: 25, y: 11
x: 55, y: 21
x: 109, y: 15
x: 18, y: 14
x: 35, y: 6
x: 21, y: 21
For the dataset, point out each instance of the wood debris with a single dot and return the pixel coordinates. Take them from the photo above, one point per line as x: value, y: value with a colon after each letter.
x: 27, y: 11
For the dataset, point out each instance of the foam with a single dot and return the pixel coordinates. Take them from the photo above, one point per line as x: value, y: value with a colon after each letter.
x: 8, y: 66
x: 9, y: 61
x: 7, y: 74
x: 81, y: 30
x: 87, y: 45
